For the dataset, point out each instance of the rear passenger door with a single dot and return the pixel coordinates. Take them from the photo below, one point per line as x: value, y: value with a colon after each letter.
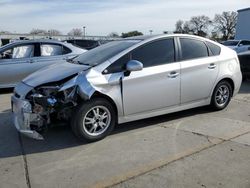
x: 199, y: 70
x: 50, y: 52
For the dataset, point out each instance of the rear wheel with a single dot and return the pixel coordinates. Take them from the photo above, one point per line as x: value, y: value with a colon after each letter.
x: 93, y: 120
x: 221, y: 96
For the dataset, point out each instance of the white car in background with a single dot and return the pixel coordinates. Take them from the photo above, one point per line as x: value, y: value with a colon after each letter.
x: 21, y: 58
x: 238, y: 45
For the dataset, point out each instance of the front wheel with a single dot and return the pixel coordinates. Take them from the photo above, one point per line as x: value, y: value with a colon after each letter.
x: 93, y: 120
x: 221, y: 96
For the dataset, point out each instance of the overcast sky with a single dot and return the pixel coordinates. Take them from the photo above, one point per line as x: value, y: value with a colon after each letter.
x: 104, y: 16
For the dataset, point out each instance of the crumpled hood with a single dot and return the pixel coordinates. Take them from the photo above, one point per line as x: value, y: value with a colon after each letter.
x: 54, y: 73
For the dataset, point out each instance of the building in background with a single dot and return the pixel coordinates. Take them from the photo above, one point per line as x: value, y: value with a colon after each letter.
x: 243, y: 24
x: 6, y: 38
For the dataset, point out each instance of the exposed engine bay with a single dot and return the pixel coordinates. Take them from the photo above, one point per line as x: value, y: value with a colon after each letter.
x: 52, y: 103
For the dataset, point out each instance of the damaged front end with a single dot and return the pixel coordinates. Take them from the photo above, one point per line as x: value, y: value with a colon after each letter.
x: 49, y: 104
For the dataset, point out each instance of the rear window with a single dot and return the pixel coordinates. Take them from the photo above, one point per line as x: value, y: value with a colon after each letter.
x: 245, y: 42
x: 214, y: 48
x: 231, y: 43
x: 87, y: 44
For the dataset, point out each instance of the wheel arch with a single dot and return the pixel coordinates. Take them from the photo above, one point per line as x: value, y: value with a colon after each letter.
x: 97, y: 94
x: 229, y: 80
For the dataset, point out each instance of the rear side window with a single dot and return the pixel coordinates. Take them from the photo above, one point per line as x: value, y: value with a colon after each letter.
x: 214, y: 48
x: 155, y: 53
x: 193, y: 49
x: 51, y: 50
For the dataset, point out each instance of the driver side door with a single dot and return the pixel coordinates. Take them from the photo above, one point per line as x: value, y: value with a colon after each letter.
x: 157, y: 85
x: 14, y: 64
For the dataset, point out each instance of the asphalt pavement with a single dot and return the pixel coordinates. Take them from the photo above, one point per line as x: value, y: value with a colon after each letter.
x: 193, y: 148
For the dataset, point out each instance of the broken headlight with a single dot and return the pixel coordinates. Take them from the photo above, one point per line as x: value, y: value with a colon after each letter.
x: 43, y: 97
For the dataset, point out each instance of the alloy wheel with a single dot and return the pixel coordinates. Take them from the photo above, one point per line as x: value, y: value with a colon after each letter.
x: 97, y: 120
x: 222, y: 95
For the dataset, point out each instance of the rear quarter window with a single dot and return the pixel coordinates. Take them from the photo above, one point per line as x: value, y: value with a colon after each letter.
x: 66, y: 50
x: 215, y: 49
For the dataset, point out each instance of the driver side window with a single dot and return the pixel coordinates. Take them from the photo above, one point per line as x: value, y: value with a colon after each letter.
x: 118, y: 65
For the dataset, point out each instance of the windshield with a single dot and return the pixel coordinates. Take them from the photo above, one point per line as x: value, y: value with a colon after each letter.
x: 104, y: 52
x: 231, y: 43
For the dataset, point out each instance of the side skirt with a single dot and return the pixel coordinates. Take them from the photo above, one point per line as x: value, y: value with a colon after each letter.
x: 124, y: 119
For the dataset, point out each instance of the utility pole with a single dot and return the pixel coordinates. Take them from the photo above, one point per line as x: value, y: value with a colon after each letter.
x: 84, y: 31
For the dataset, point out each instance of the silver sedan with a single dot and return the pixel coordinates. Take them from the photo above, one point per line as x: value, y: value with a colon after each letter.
x: 127, y: 80
x: 21, y: 58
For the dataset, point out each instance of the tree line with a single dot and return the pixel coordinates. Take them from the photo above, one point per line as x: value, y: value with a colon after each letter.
x: 221, y: 27
x: 53, y: 32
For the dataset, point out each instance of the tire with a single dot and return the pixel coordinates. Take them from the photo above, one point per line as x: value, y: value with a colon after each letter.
x: 221, y: 96
x: 93, y: 120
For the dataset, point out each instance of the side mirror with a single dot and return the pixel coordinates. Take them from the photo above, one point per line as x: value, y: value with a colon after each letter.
x: 134, y: 65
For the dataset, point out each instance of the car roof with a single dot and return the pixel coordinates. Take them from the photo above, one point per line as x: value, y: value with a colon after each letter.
x: 51, y: 41
x: 36, y: 41
x: 237, y: 40
x: 231, y: 40
x: 87, y: 40
x: 141, y: 37
x: 152, y: 37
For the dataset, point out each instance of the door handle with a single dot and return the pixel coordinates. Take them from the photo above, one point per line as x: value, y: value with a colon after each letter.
x: 212, y: 66
x: 173, y: 74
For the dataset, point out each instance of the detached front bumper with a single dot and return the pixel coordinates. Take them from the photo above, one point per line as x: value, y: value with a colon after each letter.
x: 22, y: 116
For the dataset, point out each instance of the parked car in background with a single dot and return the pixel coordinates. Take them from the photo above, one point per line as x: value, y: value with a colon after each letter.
x: 244, y: 58
x: 238, y: 45
x: 127, y: 80
x: 85, y: 44
x: 21, y: 58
